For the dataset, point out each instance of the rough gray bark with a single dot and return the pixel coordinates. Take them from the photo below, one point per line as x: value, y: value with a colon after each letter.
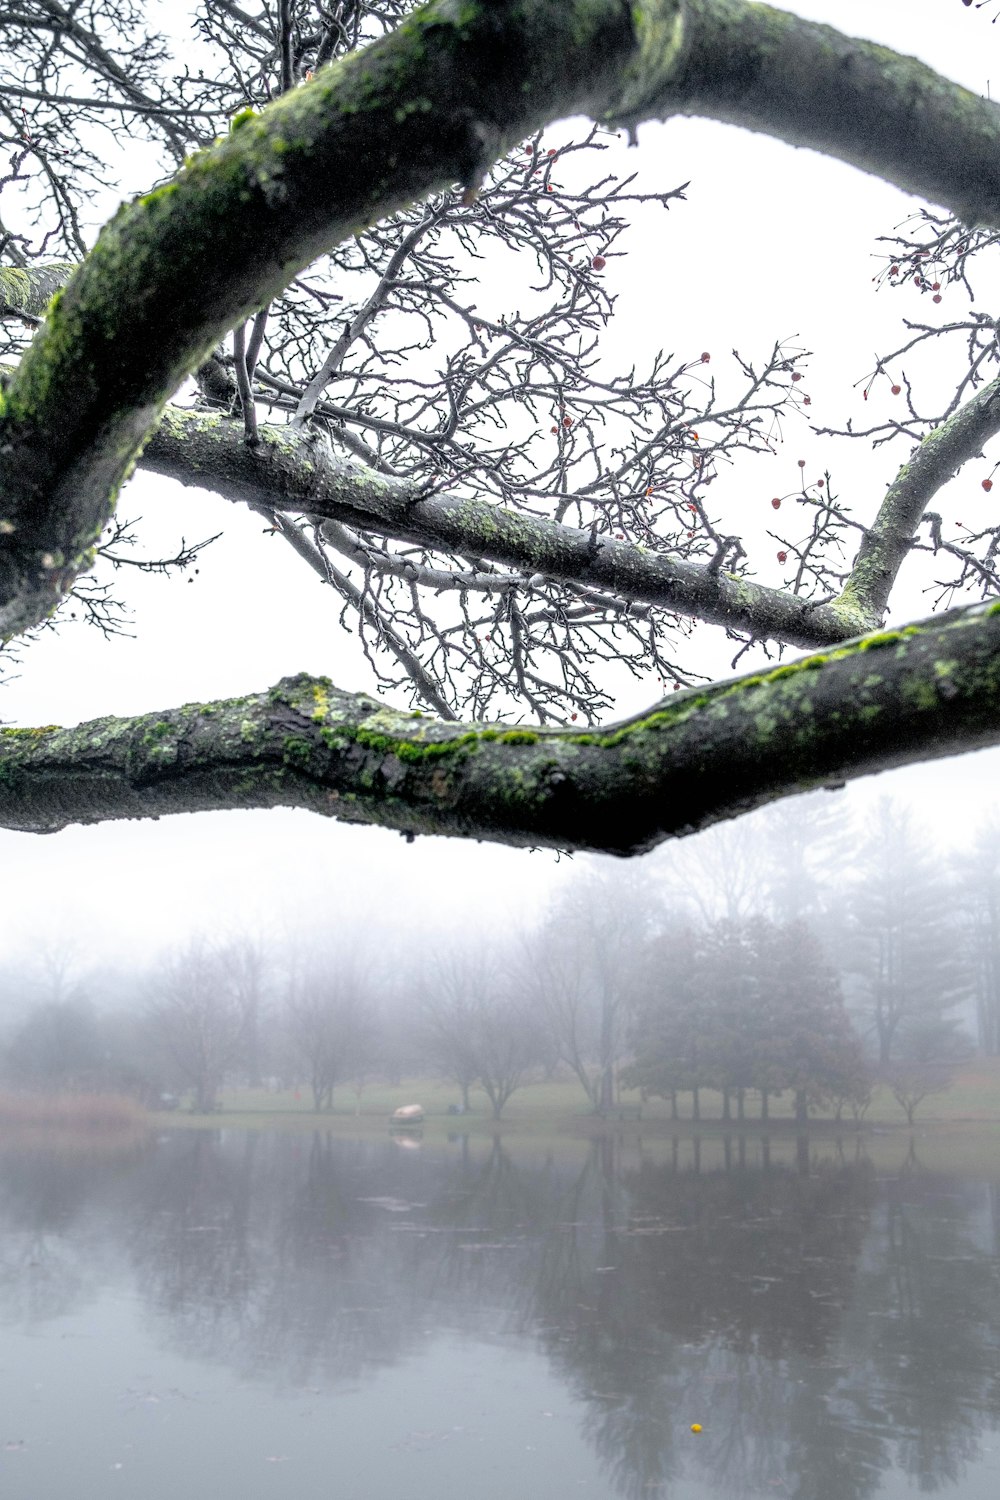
x: 436, y: 102
x: 432, y: 104
x: 887, y: 541
x: 26, y: 291
x: 925, y: 691
x: 295, y: 470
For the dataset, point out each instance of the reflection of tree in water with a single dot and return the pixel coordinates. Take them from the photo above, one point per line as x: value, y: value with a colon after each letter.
x: 53, y: 1206
x: 924, y: 1332
x: 344, y: 1258
x: 823, y: 1327
x: 706, y: 1289
x: 195, y: 1233
x: 820, y: 1337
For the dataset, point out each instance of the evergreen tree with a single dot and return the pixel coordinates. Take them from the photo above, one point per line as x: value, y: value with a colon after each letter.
x: 805, y: 1039
x: 747, y: 1006
x: 666, y: 1034
x: 728, y: 990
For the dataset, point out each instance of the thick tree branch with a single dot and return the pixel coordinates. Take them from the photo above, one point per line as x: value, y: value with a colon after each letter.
x: 890, y: 537
x: 289, y: 470
x: 930, y: 690
x: 27, y: 291
x: 809, y: 85
x: 435, y: 102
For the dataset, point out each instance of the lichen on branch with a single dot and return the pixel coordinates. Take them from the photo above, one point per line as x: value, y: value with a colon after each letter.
x: 433, y: 103
x: 928, y: 690
x: 294, y: 470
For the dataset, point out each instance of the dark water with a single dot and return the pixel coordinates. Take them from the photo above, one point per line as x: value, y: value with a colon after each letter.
x: 244, y: 1315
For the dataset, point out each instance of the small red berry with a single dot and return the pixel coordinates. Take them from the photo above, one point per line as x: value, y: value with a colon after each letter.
x: 598, y: 262
x: 776, y: 504
x: 692, y: 507
x: 802, y: 463
x: 807, y: 401
x: 649, y: 489
x: 796, y: 375
x: 819, y: 483
x: 567, y: 421
x: 550, y: 188
x: 936, y: 297
x: 893, y: 270
x: 573, y: 717
x: 705, y: 357
x: 936, y: 286
x: 782, y: 556
x: 555, y: 429
x: 896, y: 390
x: 987, y: 485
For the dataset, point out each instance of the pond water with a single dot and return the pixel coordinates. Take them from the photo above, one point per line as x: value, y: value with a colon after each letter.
x: 275, y: 1314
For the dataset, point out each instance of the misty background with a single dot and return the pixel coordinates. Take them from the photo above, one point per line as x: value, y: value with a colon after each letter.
x: 772, y: 242
x: 801, y: 954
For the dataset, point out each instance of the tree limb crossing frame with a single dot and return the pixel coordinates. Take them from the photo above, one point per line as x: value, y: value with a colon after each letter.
x: 436, y: 102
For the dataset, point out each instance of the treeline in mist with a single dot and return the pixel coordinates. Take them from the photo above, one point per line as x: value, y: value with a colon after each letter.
x: 796, y: 953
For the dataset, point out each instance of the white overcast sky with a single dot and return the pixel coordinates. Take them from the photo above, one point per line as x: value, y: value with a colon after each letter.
x: 772, y: 242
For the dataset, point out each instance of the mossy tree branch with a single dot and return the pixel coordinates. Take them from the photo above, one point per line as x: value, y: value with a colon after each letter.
x: 25, y: 291
x: 888, y: 540
x: 929, y: 690
x: 891, y: 115
x: 294, y: 470
x: 432, y: 104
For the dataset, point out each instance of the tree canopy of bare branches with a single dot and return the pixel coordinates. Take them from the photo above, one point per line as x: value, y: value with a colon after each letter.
x: 292, y: 318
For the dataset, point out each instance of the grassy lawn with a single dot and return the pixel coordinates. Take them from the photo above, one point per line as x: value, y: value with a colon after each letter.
x: 559, y: 1106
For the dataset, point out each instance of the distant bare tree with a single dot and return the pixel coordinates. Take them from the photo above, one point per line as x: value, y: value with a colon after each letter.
x: 507, y: 1040
x: 331, y: 1022
x: 247, y: 964
x: 200, y: 1010
x: 58, y: 1045
x: 479, y: 1026
x: 717, y: 876
x: 912, y: 1082
x: 555, y: 982
x: 446, y: 1018
x: 55, y: 973
x: 595, y: 969
x: 926, y: 1064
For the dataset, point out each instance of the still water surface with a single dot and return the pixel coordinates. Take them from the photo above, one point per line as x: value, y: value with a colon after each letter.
x: 249, y: 1315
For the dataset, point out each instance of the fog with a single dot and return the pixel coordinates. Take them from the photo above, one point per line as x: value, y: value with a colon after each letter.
x: 771, y: 243
x: 800, y: 954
